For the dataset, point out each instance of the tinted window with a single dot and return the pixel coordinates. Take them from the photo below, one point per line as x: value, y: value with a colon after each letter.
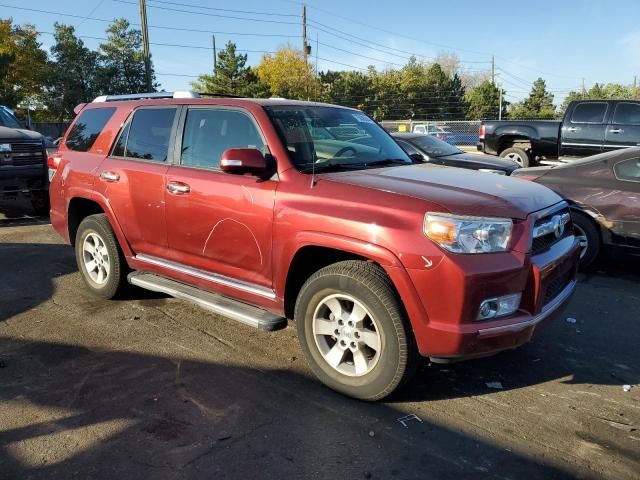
x: 627, y: 114
x: 628, y: 170
x: 434, y: 147
x: 147, y: 135
x: 589, y: 113
x: 7, y: 119
x: 410, y: 149
x: 209, y: 132
x: 87, y: 128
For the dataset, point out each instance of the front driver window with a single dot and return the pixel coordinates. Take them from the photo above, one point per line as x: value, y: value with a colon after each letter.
x: 209, y: 132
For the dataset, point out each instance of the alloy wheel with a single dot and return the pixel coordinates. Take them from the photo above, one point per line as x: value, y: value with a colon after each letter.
x: 96, y: 258
x: 346, y: 335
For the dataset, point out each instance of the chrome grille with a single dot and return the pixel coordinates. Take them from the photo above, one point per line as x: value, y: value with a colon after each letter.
x: 550, y: 229
x: 24, y: 154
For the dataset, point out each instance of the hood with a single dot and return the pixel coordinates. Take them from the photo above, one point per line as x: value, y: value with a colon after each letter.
x: 485, y: 161
x: 456, y: 190
x: 8, y: 135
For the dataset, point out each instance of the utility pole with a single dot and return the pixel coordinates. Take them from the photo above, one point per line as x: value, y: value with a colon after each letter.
x: 305, y: 46
x: 304, y: 32
x: 215, y: 54
x: 145, y: 44
x: 584, y: 90
x: 493, y: 70
x: 500, y: 105
x: 635, y: 86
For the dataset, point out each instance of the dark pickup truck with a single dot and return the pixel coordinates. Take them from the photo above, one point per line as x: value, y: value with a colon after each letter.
x: 588, y: 127
x: 23, y: 162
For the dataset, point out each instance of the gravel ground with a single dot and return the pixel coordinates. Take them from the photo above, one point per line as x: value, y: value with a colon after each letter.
x: 153, y: 387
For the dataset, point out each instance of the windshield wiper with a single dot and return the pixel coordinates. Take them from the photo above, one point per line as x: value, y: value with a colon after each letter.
x: 329, y: 166
x: 386, y: 161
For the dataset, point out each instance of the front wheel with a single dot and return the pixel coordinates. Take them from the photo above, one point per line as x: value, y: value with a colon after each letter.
x: 352, y: 330
x: 517, y: 155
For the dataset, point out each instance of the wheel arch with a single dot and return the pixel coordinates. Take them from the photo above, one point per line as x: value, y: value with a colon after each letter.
x: 81, y: 207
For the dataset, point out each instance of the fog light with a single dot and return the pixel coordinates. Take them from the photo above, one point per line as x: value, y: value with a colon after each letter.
x: 499, y: 306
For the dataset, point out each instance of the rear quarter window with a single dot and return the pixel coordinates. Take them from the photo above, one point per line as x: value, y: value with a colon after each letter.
x: 86, y: 129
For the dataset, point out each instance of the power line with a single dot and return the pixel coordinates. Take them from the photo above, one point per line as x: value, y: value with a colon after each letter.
x: 90, y: 13
x: 379, y: 29
x: 341, y: 34
x: 217, y: 15
x: 165, y: 27
x: 250, y: 12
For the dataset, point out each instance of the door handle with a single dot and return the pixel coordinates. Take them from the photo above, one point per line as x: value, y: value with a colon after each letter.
x: 178, y: 188
x: 572, y: 129
x: 616, y: 130
x: 109, y: 176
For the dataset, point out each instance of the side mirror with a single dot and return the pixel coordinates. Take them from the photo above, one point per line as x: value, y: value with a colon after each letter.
x: 240, y: 161
x: 418, y: 158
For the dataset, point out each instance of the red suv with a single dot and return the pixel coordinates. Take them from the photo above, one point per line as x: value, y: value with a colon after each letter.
x: 267, y: 210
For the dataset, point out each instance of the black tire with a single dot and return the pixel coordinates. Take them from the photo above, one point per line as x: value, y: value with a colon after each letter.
x: 116, y: 278
x: 40, y: 203
x: 586, y: 228
x: 369, y: 285
x: 516, y: 155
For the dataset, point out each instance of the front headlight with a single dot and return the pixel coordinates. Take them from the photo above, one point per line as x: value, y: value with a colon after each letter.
x: 461, y: 234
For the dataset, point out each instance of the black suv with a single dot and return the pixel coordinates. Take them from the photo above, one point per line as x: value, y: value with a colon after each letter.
x: 23, y: 162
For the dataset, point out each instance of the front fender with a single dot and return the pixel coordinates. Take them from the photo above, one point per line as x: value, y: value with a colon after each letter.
x: 382, y: 256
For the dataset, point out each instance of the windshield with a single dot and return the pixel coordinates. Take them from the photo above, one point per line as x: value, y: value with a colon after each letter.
x: 434, y: 147
x: 333, y: 137
x: 8, y: 120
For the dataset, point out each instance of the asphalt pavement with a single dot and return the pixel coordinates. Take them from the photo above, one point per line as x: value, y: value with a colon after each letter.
x: 153, y: 387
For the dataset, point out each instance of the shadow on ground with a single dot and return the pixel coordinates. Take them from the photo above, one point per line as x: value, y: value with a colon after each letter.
x: 133, y: 415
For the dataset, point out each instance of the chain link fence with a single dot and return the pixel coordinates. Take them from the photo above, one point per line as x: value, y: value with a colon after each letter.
x: 463, y: 133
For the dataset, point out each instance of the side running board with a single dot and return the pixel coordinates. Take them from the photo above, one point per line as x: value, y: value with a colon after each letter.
x: 225, y: 306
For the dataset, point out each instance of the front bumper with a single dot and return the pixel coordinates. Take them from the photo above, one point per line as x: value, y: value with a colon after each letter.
x: 451, y: 331
x: 22, y: 179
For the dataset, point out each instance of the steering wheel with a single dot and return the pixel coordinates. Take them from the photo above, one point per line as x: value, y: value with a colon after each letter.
x: 342, y: 151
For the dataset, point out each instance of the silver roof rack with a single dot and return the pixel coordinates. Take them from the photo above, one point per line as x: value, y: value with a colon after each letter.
x: 142, y: 96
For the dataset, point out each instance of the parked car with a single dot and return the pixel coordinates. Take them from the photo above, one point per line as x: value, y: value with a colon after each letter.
x: 244, y: 207
x: 435, y: 151
x: 23, y: 162
x: 603, y: 192
x: 588, y: 128
x: 444, y: 133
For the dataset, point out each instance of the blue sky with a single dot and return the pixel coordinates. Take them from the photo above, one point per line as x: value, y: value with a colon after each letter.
x: 560, y: 41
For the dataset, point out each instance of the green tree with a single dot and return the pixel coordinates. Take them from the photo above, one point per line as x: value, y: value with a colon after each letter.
x: 539, y: 104
x: 483, y: 102
x: 347, y: 88
x: 287, y: 74
x: 599, y: 91
x: 232, y: 76
x: 23, y: 63
x: 123, y: 59
x: 75, y: 73
x: 385, y: 89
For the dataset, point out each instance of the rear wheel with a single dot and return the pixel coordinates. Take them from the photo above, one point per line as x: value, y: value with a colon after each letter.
x: 99, y: 257
x: 517, y: 155
x: 352, y: 330
x: 588, y: 237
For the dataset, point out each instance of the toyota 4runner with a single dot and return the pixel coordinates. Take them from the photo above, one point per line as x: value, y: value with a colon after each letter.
x: 266, y: 210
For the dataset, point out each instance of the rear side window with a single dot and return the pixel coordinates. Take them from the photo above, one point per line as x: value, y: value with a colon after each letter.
x: 146, y: 136
x: 628, y: 170
x: 627, y: 113
x: 86, y: 129
x: 589, y: 112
